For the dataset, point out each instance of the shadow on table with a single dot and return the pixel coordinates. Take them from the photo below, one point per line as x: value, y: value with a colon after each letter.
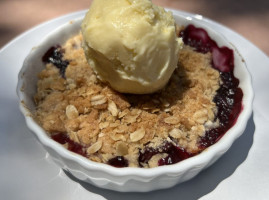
x: 197, y: 187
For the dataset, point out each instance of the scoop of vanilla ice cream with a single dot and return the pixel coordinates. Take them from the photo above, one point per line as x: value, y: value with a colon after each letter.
x: 131, y: 44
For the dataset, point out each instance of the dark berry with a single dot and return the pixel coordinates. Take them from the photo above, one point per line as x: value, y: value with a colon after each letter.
x: 198, y: 38
x: 63, y: 138
x: 54, y: 55
x: 118, y: 161
x: 222, y: 58
x: 175, y: 154
x: 229, y: 103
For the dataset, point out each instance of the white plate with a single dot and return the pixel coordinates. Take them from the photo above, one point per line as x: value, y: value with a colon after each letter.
x: 26, y: 171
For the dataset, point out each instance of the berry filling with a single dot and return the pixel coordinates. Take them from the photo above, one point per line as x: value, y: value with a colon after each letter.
x: 54, y: 55
x: 175, y: 154
x: 118, y: 161
x: 63, y: 138
x: 198, y: 38
x: 228, y: 101
x: 228, y: 98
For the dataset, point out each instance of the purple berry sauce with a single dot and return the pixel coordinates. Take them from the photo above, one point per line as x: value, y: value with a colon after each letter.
x: 229, y: 96
x: 175, y: 154
x: 228, y: 100
x: 54, y: 55
x: 222, y: 57
x: 63, y: 138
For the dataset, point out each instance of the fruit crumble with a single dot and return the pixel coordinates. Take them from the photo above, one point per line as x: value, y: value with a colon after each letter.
x: 198, y: 105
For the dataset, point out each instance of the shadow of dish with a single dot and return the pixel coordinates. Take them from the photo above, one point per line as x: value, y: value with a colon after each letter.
x: 202, y: 184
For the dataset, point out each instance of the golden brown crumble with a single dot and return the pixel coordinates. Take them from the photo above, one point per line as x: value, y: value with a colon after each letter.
x: 111, y: 124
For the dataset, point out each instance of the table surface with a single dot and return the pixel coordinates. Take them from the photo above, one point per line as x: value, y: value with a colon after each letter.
x: 247, y: 17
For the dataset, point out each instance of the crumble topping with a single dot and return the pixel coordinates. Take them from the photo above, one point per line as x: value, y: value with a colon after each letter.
x: 109, y: 124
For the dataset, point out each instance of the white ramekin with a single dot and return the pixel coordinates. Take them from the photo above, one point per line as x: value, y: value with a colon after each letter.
x: 127, y: 179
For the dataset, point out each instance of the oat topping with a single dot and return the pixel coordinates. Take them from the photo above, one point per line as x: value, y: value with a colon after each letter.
x: 111, y: 125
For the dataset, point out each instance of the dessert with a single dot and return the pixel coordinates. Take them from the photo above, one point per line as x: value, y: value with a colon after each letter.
x: 199, y: 104
x: 195, y: 108
x: 131, y: 45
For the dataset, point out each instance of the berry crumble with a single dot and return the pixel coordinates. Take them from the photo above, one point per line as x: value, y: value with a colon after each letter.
x: 199, y: 104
